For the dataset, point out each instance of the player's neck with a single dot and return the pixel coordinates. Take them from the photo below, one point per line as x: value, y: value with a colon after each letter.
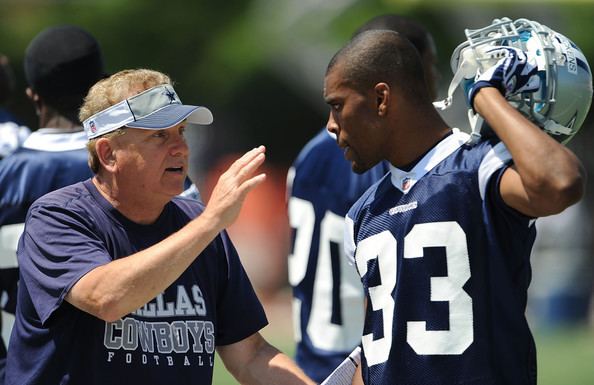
x: 410, y: 166
x: 414, y: 137
x: 58, y: 121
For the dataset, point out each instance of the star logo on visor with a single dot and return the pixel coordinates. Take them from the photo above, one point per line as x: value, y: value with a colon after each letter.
x: 171, y: 95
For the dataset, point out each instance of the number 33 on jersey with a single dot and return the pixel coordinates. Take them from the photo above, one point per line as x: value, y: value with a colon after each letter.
x: 445, y: 267
x: 381, y: 249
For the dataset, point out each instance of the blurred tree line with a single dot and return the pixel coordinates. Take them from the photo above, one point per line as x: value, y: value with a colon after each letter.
x: 258, y: 64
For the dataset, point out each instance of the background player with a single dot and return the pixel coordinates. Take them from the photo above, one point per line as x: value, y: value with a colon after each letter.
x: 442, y: 242
x: 328, y: 295
x: 61, y: 63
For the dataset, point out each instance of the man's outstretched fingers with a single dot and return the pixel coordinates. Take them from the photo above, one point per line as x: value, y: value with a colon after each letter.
x: 246, y: 158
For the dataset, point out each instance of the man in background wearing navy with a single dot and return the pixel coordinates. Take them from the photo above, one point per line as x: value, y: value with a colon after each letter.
x: 61, y: 64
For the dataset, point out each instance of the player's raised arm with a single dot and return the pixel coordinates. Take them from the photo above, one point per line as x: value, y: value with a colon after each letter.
x: 546, y: 176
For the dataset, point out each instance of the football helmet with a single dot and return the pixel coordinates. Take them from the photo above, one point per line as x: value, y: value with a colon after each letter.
x: 561, y: 103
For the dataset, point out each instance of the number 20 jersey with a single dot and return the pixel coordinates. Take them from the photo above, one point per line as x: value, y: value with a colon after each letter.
x: 327, y: 292
x: 445, y: 267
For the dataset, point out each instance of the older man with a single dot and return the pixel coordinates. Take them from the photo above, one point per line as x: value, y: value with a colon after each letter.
x: 61, y: 63
x: 124, y: 282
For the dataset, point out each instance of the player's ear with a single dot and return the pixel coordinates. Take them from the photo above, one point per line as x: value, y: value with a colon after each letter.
x: 35, y: 99
x: 31, y: 94
x: 382, y: 94
x: 106, y: 153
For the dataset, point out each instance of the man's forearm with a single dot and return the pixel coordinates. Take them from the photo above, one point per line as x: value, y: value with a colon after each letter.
x: 122, y: 286
x: 270, y: 366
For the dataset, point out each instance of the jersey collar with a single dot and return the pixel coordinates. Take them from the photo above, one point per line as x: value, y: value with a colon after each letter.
x: 405, y: 180
x: 51, y: 139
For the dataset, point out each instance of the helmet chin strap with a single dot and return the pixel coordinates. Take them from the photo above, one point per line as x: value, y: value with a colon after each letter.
x: 476, y: 122
x: 556, y: 128
x: 466, y: 70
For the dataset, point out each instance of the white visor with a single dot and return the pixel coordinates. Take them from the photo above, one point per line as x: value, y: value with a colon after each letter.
x: 154, y: 109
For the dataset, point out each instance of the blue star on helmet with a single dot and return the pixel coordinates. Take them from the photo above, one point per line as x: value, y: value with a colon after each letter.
x: 172, y: 96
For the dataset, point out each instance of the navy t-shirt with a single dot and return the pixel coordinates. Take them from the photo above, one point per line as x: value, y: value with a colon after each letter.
x: 171, y: 339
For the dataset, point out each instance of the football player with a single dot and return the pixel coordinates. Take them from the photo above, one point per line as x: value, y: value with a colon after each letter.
x: 61, y: 63
x: 442, y: 243
x: 328, y: 295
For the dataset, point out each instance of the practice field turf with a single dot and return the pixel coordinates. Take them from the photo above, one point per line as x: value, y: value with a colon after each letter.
x: 565, y: 356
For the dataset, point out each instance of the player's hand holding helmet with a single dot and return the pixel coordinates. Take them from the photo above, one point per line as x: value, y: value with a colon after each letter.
x: 514, y: 73
x: 540, y: 72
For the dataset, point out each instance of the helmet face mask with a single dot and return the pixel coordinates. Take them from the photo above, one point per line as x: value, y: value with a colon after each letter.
x: 561, y: 103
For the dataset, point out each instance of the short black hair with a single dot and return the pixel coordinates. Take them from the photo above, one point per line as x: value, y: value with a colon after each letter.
x: 61, y: 64
x: 376, y: 56
x: 415, y: 32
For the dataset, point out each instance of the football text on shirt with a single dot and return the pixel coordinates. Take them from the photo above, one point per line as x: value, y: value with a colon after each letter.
x: 164, y: 336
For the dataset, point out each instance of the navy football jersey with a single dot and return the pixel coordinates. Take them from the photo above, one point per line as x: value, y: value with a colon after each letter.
x: 169, y: 340
x: 328, y: 295
x: 445, y: 266
x: 47, y: 160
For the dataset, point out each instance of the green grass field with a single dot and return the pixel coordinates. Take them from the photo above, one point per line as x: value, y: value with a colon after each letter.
x: 565, y: 356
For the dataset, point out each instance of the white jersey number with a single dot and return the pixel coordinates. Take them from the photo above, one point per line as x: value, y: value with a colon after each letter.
x: 382, y: 247
x: 336, y: 317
